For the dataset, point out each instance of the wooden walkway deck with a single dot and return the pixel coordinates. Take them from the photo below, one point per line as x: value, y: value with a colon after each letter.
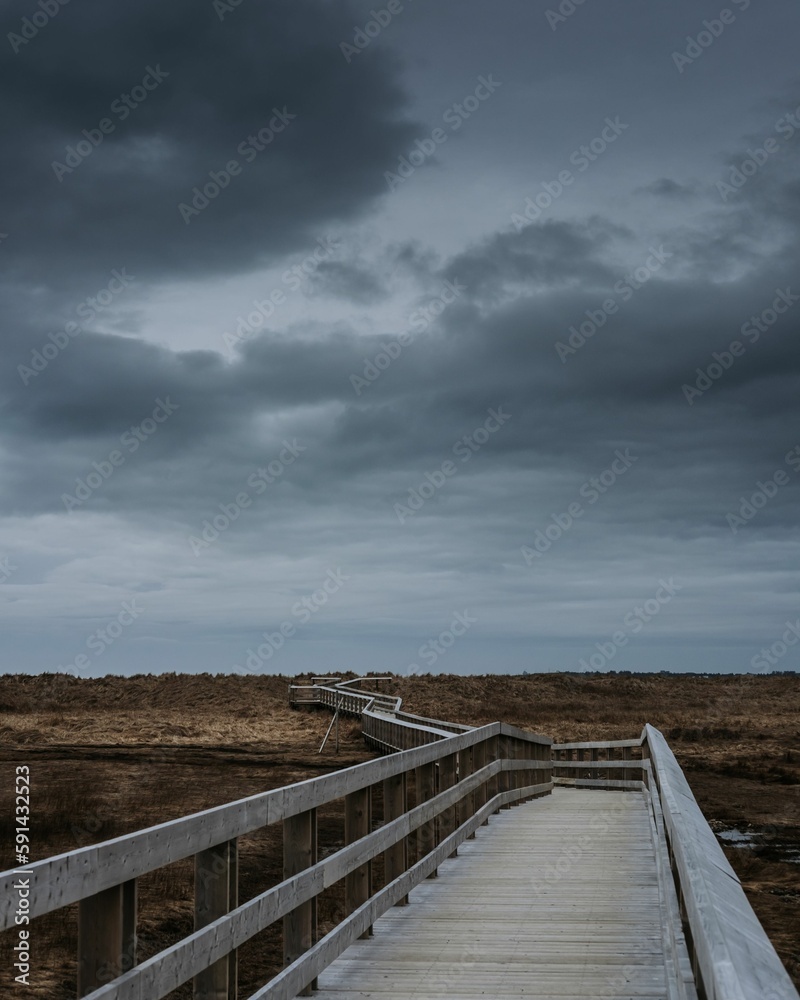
x: 557, y: 898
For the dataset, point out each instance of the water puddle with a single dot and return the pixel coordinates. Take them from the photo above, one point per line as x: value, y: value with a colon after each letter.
x: 754, y: 840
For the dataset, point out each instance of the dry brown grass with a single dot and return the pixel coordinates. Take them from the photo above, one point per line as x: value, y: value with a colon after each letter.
x: 113, y: 755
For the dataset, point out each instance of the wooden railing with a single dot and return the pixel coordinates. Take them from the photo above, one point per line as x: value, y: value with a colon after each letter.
x: 725, y: 953
x: 604, y: 764
x: 455, y: 782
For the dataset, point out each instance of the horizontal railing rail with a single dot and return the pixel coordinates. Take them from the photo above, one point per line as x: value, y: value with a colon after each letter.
x: 609, y: 764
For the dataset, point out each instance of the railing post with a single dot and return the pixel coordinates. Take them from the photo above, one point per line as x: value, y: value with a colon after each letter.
x: 395, y: 804
x: 526, y: 776
x: 504, y: 777
x: 493, y: 754
x: 467, y: 768
x: 626, y: 755
x: 447, y: 778
x: 478, y: 763
x: 426, y: 832
x: 357, y: 824
x: 215, y: 894
x: 299, y: 853
x: 106, y: 936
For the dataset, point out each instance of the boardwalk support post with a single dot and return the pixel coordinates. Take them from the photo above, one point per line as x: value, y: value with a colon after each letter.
x: 299, y: 853
x: 447, y: 778
x: 426, y: 833
x: 357, y: 824
x: 106, y: 936
x: 395, y: 858
x: 215, y: 894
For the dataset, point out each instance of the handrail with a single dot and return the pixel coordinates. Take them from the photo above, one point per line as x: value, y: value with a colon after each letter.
x: 496, y: 763
x: 76, y: 875
x: 732, y: 955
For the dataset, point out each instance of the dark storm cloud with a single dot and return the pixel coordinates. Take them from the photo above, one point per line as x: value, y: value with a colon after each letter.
x: 494, y: 346
x: 465, y: 326
x: 212, y: 85
x: 666, y: 187
x: 348, y: 281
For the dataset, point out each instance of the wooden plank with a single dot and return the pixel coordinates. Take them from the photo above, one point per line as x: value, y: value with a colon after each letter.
x: 597, y: 745
x: 290, y: 981
x: 580, y: 919
x: 580, y: 765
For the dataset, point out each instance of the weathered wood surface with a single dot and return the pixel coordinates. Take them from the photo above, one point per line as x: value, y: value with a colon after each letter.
x: 558, y: 898
x: 733, y: 954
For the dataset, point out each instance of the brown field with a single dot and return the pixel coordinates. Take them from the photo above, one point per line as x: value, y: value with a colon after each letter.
x: 110, y: 756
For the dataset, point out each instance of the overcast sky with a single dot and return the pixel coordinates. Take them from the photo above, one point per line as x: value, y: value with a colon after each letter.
x: 463, y: 339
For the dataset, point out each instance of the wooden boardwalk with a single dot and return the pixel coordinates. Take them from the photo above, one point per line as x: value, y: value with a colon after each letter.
x: 598, y: 878
x: 557, y: 898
